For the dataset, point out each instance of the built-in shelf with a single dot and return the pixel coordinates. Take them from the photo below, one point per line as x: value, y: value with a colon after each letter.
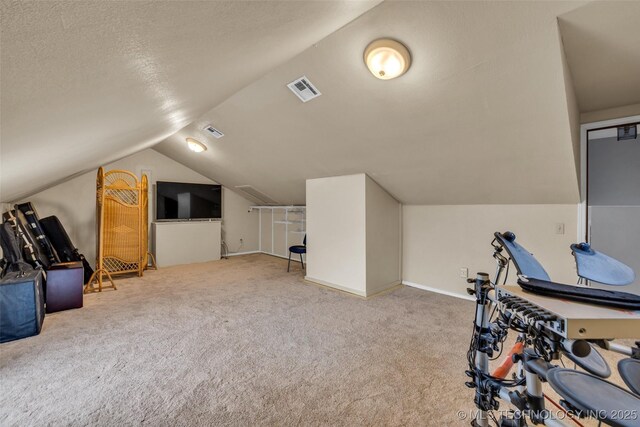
x: 290, y: 208
x: 291, y: 227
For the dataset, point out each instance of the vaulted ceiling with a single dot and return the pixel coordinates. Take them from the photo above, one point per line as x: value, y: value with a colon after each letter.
x: 482, y: 116
x: 87, y: 82
x: 602, y: 44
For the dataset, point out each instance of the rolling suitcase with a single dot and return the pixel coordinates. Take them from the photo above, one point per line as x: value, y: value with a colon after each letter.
x: 63, y: 245
x: 33, y: 223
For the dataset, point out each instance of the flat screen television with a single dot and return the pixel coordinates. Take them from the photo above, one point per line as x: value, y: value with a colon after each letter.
x: 181, y: 201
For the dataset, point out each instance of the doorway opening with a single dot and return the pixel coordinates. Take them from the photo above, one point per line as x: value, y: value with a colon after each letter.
x: 611, y: 191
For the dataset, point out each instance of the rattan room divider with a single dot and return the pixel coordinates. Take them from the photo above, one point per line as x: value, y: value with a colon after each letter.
x: 122, y: 227
x: 144, y: 194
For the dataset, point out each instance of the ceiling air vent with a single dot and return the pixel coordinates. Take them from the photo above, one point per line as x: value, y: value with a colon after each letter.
x: 303, y: 89
x: 213, y: 131
x: 256, y: 195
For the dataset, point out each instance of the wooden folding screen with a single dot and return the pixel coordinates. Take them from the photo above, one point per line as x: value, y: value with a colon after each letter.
x: 121, y: 226
x: 145, y: 220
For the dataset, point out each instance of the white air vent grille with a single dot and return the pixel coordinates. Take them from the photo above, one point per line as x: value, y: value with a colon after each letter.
x: 256, y: 195
x: 304, y: 89
x: 213, y: 131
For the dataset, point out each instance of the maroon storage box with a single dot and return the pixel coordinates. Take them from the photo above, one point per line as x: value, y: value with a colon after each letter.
x: 65, y: 283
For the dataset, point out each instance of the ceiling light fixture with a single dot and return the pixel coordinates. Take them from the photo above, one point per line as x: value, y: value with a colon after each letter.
x: 387, y: 59
x: 195, y: 145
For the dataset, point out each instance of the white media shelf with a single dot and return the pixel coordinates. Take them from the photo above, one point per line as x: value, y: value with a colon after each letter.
x: 281, y: 227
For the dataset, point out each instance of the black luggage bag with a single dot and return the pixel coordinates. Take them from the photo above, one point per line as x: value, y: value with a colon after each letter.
x: 35, y: 228
x: 63, y: 245
x: 29, y: 248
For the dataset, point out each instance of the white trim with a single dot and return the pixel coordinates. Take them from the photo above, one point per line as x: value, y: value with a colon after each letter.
x: 282, y: 256
x: 261, y: 252
x: 385, y: 288
x: 582, y: 206
x: 279, y: 256
x: 338, y: 287
x: 290, y: 207
x: 604, y: 133
x: 438, y: 291
x: 244, y: 253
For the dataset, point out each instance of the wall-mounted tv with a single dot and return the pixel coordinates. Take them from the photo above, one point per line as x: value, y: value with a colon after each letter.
x: 180, y: 201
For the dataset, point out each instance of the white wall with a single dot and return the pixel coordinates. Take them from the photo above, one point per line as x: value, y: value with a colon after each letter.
x: 439, y: 240
x: 353, y: 229
x: 336, y: 236
x: 74, y: 202
x: 238, y: 223
x: 573, y: 111
x: 383, y: 238
x: 611, y: 113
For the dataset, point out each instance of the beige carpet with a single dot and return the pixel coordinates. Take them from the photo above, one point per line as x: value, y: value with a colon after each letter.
x: 241, y: 342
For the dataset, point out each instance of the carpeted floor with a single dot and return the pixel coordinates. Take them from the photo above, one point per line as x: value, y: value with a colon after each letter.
x: 241, y: 342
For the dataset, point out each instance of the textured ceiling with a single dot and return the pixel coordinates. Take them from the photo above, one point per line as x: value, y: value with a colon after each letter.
x: 86, y: 82
x: 602, y: 46
x: 481, y: 116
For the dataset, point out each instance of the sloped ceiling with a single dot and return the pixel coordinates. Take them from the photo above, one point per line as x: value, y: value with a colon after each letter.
x: 87, y: 82
x: 602, y: 46
x: 481, y: 116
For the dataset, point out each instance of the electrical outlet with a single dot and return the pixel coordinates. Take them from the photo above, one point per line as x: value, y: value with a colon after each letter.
x: 464, y: 272
x: 559, y: 228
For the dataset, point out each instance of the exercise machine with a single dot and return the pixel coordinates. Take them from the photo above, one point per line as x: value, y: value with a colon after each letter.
x: 548, y: 328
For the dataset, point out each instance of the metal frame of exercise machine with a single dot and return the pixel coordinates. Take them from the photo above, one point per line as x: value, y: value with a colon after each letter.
x: 544, y: 332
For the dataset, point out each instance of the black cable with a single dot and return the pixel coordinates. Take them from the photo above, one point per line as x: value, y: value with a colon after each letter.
x: 499, y: 353
x: 507, y: 272
x: 493, y: 417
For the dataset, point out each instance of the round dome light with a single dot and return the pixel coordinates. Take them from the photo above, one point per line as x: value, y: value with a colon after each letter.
x: 387, y: 59
x: 195, y: 145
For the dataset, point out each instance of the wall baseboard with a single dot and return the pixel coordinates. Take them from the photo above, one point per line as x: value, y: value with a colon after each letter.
x: 384, y: 288
x: 438, y: 291
x: 293, y: 258
x: 333, y: 285
x: 363, y: 294
x: 244, y: 253
x: 262, y: 252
